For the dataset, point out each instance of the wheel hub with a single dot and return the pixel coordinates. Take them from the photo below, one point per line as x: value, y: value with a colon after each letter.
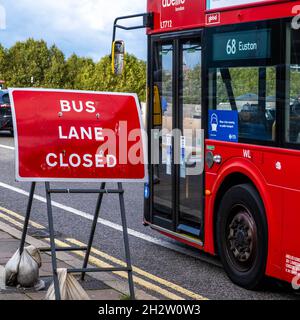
x: 242, y: 237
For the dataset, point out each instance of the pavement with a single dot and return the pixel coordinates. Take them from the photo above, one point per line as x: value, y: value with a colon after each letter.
x: 103, y: 287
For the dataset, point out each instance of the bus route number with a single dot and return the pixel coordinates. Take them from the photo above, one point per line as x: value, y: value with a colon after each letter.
x: 166, y: 24
x: 231, y: 47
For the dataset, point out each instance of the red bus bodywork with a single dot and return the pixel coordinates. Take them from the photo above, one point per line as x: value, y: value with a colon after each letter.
x: 195, y: 14
x: 274, y: 171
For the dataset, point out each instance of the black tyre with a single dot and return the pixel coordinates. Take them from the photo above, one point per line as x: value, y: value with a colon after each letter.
x: 242, y: 236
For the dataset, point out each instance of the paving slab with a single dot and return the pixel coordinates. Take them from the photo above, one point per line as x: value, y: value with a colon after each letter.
x: 8, y: 248
x: 13, y: 297
x: 3, y: 261
x: 4, y: 235
x: 36, y: 295
x: 46, y: 268
x: 102, y: 295
x: 46, y: 257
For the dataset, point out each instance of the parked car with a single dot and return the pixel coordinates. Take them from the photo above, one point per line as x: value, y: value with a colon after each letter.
x: 6, y: 123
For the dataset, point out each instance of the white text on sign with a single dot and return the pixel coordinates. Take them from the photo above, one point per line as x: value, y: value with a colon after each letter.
x: 98, y: 160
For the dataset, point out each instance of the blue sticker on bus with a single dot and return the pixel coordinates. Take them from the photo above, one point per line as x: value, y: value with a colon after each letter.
x: 147, y: 191
x: 223, y: 125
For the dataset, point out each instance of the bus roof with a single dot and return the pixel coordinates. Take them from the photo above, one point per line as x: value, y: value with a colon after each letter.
x: 175, y: 15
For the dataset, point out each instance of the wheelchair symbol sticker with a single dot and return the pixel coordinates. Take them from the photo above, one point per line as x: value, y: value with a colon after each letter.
x: 214, y: 121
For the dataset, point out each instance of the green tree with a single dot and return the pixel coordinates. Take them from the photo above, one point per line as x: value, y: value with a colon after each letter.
x: 75, y: 66
x: 26, y: 63
x: 33, y: 64
x: 133, y: 80
x: 55, y: 74
x: 3, y: 62
x: 84, y: 78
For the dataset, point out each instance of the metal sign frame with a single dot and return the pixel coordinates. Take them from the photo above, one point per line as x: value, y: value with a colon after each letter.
x: 53, y: 248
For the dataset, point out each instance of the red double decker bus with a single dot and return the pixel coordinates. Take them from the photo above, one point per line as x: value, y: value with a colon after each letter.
x: 230, y: 69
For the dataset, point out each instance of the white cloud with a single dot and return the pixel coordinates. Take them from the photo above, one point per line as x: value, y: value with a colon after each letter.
x: 77, y: 25
x: 74, y: 14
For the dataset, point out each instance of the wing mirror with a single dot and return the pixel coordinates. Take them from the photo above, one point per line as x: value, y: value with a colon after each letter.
x: 118, y: 57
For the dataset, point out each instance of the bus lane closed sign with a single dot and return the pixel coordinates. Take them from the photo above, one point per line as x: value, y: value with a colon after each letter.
x: 63, y: 135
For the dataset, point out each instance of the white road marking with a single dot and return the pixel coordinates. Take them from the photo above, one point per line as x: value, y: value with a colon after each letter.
x: 104, y: 222
x: 6, y: 147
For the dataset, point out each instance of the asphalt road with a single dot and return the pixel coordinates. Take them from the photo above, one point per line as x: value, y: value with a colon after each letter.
x: 172, y: 268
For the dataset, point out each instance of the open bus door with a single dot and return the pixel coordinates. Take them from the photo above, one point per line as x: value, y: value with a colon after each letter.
x: 176, y: 199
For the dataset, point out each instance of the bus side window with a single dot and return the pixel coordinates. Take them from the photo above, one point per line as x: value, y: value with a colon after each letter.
x: 251, y: 92
x: 292, y: 113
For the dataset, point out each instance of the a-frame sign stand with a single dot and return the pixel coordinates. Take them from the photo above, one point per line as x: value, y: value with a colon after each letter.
x: 53, y: 249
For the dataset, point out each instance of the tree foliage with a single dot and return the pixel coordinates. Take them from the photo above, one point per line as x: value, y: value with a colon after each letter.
x: 54, y: 75
x: 26, y: 63
x: 33, y: 64
x: 133, y: 79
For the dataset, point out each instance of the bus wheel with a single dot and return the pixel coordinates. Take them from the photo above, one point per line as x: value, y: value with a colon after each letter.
x: 242, y: 236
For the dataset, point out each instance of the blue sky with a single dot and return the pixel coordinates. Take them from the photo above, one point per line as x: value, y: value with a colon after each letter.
x: 80, y: 26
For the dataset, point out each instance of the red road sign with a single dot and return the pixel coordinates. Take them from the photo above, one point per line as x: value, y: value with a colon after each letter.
x: 63, y: 135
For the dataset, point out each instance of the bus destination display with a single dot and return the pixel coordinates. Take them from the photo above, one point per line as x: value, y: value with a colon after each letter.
x: 217, y: 4
x: 250, y: 44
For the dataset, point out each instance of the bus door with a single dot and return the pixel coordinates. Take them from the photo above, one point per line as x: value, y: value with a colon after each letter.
x: 176, y: 175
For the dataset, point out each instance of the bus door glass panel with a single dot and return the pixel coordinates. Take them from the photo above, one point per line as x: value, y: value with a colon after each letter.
x: 162, y: 147
x: 191, y: 143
